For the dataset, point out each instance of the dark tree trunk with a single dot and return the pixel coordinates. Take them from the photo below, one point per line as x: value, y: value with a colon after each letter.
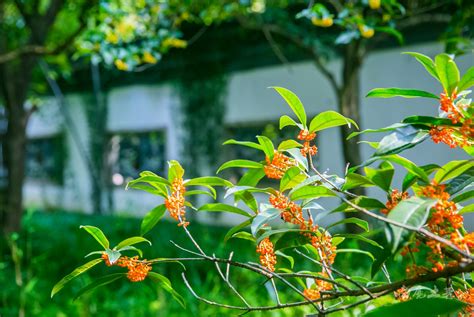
x: 15, y: 80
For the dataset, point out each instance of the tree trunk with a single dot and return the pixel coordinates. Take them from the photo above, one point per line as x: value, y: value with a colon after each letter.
x: 349, y: 106
x: 15, y: 83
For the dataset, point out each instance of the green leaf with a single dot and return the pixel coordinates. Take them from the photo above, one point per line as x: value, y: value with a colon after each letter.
x: 411, y: 178
x: 248, y: 199
x: 417, y: 307
x: 414, y: 212
x: 220, y: 207
x: 152, y: 218
x: 408, y: 165
x: 244, y: 235
x: 262, y: 218
x: 149, y: 179
x: 294, y: 102
x: 467, y: 209
x: 290, y: 239
x: 291, y: 178
x: 399, y: 92
x: 381, y: 256
x: 113, y: 255
x: 426, y: 62
x: 308, y: 192
x: 358, y: 222
x: 131, y: 241
x: 239, y: 163
x: 356, y: 251
x: 237, y: 228
x: 400, y: 140
x: 155, y: 190
x: 448, y: 72
x: 359, y: 237
x: 361, y: 201
x: 431, y: 121
x: 208, y: 180
x: 467, y: 81
x: 252, y: 145
x: 132, y: 248
x: 288, y: 144
x: 354, y: 180
x: 452, y: 169
x: 102, y: 281
x: 381, y: 177
x: 286, y: 257
x: 391, y: 31
x: 165, y: 283
x: 460, y: 182
x: 200, y: 192
x: 267, y: 146
x: 329, y: 119
x: 389, y: 128
x: 287, y: 121
x: 97, y: 234
x: 175, y: 170
x: 251, y: 177
x: 78, y: 271
x: 464, y: 196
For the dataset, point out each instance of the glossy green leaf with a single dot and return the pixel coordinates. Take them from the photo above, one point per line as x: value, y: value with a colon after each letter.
x: 165, y: 283
x: 160, y: 191
x: 208, y: 180
x: 252, y: 145
x: 467, y: 209
x: 356, y: 251
x: 78, y: 271
x: 411, y: 178
x: 175, y: 170
x: 417, y: 307
x: 131, y: 241
x: 199, y: 192
x: 288, y: 144
x: 149, y: 179
x: 361, y: 201
x: 467, y: 80
x: 267, y: 146
x: 391, y: 31
x: 427, y: 63
x: 151, y: 219
x: 329, y: 119
x: 356, y: 221
x: 460, y: 182
x: 464, y: 196
x: 358, y: 237
x: 399, y: 92
x: 286, y: 121
x: 97, y: 234
x: 290, y: 239
x: 430, y: 121
x: 244, y: 235
x: 400, y: 140
x: 381, y: 177
x: 237, y: 228
x: 220, y: 207
x: 290, y: 259
x: 102, y: 281
x: 113, y: 255
x: 447, y: 71
x: 294, y: 102
x: 414, y: 212
x: 263, y: 218
x: 452, y: 169
x: 291, y: 178
x: 240, y: 164
x: 132, y: 248
x: 354, y: 180
x: 308, y: 192
x: 385, y: 129
x: 251, y: 177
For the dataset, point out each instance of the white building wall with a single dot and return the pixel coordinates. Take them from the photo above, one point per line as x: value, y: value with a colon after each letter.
x: 151, y: 107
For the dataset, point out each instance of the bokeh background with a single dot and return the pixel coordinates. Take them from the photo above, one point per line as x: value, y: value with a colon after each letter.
x: 94, y: 117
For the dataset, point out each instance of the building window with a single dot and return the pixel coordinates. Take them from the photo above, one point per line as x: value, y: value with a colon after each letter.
x: 45, y: 159
x: 134, y: 152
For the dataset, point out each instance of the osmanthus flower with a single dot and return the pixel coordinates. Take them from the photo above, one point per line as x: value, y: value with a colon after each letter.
x: 137, y: 269
x: 402, y: 294
x: 395, y: 197
x: 267, y: 254
x: 314, y: 292
x: 175, y: 202
x: 307, y: 137
x: 466, y: 296
x: 277, y: 166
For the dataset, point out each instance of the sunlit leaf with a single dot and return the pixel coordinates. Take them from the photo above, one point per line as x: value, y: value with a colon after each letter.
x: 78, y: 271
x: 97, y: 234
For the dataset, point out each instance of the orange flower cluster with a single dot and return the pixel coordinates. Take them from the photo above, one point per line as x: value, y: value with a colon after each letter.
x: 445, y: 222
x: 137, y: 270
x: 315, y: 293
x: 395, y: 198
x: 466, y: 296
x: 175, y: 202
x: 293, y: 213
x: 447, y: 105
x: 402, y: 294
x: 277, y: 167
x: 453, y: 136
x: 307, y: 137
x: 267, y: 254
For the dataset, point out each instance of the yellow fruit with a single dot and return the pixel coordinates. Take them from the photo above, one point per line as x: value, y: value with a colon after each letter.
x: 366, y: 31
x: 148, y: 58
x: 120, y: 64
x: 324, y: 22
x: 112, y: 38
x: 374, y: 4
